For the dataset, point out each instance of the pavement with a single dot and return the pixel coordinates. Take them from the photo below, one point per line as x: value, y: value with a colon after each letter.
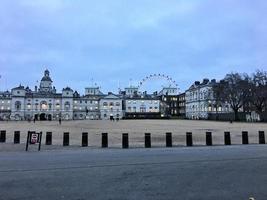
x: 208, y: 173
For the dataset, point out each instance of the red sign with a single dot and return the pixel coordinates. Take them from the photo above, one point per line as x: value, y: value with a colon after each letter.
x: 34, y: 138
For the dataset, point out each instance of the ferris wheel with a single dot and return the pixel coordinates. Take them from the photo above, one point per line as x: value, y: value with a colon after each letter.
x: 171, y: 81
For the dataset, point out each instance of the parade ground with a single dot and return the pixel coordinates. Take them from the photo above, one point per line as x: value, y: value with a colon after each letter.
x: 135, y: 129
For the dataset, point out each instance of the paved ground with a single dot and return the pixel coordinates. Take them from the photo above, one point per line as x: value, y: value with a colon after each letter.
x: 208, y: 173
x: 136, y: 130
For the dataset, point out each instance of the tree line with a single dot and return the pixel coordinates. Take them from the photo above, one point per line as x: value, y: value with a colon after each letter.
x: 243, y: 93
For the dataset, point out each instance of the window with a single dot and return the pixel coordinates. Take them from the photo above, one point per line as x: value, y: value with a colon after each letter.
x: 57, y: 106
x: 67, y: 106
x: 105, y: 104
x: 142, y: 109
x: 43, y: 105
x: 118, y: 104
x: 111, y: 104
x: 17, y: 105
x: 29, y: 106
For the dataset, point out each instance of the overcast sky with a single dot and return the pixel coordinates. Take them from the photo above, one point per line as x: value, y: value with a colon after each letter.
x: 113, y: 41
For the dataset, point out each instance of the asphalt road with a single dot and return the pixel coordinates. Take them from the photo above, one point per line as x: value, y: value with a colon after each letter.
x: 210, y: 173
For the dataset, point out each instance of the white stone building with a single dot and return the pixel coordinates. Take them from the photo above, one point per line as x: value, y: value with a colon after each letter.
x: 5, y: 105
x: 111, y: 107
x: 200, y: 101
x: 44, y: 103
x: 87, y: 106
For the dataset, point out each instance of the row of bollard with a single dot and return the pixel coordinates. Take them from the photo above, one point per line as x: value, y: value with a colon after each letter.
x: 125, y: 138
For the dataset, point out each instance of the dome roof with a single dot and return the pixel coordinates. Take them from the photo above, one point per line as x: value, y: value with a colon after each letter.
x: 46, y: 78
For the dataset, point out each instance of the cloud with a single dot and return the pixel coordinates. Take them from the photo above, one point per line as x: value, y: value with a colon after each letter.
x: 119, y: 40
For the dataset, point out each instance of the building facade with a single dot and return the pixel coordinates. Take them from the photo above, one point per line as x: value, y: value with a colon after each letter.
x: 45, y: 103
x: 200, y: 102
x: 111, y: 107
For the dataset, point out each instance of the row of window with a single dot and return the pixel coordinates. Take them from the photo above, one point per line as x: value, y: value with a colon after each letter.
x: 5, y: 108
x: 209, y: 108
x: 3, y: 102
x: 111, y: 104
x: 85, y: 101
x: 134, y: 102
x: 142, y: 109
x: 80, y: 108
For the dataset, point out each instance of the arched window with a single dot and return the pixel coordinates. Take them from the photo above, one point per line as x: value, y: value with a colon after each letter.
x: 50, y: 106
x: 43, y: 105
x: 28, y: 106
x: 17, y: 105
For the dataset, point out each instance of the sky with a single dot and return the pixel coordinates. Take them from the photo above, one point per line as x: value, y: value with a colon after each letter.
x: 114, y: 43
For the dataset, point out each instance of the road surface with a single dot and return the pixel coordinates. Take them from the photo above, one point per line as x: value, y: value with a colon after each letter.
x: 218, y: 172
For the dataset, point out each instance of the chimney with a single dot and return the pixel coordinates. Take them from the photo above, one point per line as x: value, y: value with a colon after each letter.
x: 213, y: 81
x: 205, y: 80
x: 197, y: 82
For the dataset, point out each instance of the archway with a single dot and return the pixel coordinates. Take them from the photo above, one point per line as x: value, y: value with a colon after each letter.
x: 49, y: 117
x: 42, y: 117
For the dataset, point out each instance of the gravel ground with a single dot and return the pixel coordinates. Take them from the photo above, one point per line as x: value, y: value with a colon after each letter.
x: 135, y: 128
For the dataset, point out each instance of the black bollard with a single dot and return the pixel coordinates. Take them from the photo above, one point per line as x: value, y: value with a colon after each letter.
x: 84, y: 139
x: 261, y: 137
x: 48, y: 139
x: 66, y: 139
x: 125, y: 141
x: 147, y: 140
x: 16, y: 137
x: 227, y: 138
x: 208, y: 138
x: 104, y: 140
x: 189, y: 139
x: 168, y: 139
x: 3, y: 136
x: 245, y: 137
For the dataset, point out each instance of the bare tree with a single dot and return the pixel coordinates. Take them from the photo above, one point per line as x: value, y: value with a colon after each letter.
x: 218, y: 95
x: 235, y: 91
x: 259, y: 91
